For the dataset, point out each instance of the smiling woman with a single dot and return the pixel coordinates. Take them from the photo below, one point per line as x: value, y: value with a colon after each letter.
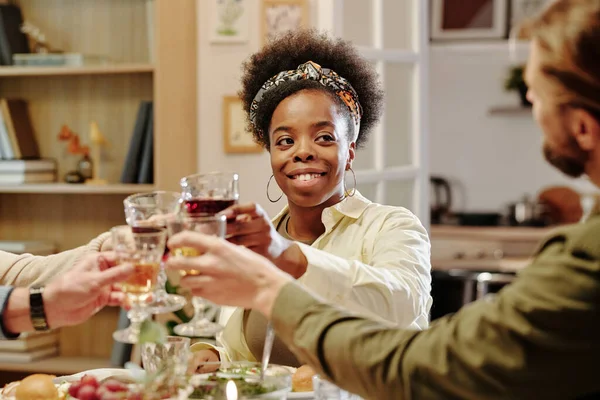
x: 311, y: 102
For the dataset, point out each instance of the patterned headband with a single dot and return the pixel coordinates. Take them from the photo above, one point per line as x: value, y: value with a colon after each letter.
x: 313, y: 71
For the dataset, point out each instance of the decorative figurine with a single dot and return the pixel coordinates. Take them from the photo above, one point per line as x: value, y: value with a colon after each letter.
x: 74, y: 147
x: 98, y: 141
x: 37, y: 39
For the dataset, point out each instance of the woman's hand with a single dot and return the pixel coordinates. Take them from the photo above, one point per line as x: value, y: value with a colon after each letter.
x: 249, y: 225
x: 204, y: 361
x: 228, y: 274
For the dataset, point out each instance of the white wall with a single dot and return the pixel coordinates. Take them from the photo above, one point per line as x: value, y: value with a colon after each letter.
x: 219, y: 75
x: 493, y: 160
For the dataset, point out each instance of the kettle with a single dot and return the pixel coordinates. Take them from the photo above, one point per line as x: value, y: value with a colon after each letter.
x: 442, y: 199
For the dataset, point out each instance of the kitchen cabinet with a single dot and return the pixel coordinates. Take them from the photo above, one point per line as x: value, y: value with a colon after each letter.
x: 470, y: 263
x: 483, y: 248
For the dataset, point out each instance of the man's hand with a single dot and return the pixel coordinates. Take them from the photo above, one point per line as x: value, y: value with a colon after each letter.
x: 85, y: 289
x: 228, y: 274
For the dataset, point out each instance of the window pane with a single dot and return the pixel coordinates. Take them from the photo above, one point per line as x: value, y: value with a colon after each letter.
x: 398, y: 24
x: 358, y: 22
x: 399, y: 193
x: 365, y: 158
x: 369, y: 190
x: 398, y: 82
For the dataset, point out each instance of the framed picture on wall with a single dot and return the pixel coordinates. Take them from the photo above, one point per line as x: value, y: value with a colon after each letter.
x: 280, y: 16
x: 236, y: 138
x: 229, y: 21
x: 521, y: 10
x: 469, y: 19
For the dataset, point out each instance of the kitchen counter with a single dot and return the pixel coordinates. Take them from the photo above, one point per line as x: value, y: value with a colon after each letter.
x: 493, y: 249
x: 490, y: 265
x: 490, y: 232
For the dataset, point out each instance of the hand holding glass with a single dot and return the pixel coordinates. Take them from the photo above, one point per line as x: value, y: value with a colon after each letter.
x: 145, y: 252
x: 199, y: 325
x: 147, y: 212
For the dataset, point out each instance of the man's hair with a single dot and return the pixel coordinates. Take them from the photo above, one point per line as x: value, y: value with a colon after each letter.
x: 568, y: 33
x: 295, y: 48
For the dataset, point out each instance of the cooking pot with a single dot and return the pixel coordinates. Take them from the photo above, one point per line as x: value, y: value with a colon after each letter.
x: 528, y: 212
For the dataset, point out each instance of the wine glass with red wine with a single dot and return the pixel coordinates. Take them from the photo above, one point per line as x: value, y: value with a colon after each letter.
x: 145, y: 251
x: 201, y: 324
x: 146, y: 213
x: 209, y: 194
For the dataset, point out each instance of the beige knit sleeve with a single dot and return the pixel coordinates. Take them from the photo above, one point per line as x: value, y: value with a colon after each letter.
x: 26, y: 269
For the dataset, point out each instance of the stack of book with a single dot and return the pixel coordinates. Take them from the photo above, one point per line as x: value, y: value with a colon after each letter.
x: 27, y: 171
x: 29, y: 347
x: 17, y: 137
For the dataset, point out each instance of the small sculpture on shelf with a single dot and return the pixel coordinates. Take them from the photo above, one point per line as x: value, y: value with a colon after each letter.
x: 98, y: 141
x: 74, y: 147
x: 37, y: 39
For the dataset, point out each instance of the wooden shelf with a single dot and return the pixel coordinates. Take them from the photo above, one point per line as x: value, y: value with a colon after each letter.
x: 57, y: 365
x: 510, y: 110
x: 89, y: 70
x: 68, y: 188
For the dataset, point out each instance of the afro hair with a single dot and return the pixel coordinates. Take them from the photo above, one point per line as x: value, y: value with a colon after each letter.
x: 295, y: 48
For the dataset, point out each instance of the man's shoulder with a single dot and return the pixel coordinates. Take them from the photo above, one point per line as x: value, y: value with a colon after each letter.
x: 582, y: 238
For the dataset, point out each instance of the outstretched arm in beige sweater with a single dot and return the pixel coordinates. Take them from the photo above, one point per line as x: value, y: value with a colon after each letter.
x: 26, y: 269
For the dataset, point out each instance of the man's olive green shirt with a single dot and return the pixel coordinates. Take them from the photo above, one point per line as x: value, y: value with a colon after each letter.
x: 539, y: 338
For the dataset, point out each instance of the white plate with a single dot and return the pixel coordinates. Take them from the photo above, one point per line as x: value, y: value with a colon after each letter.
x: 301, y: 395
x: 99, y: 374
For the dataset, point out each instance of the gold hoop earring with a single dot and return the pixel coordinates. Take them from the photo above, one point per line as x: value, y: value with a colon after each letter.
x: 269, y: 197
x: 346, y: 193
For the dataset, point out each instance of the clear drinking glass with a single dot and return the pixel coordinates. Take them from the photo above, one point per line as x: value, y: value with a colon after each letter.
x: 199, y: 325
x: 147, y: 211
x: 209, y: 194
x: 176, y: 349
x: 145, y: 251
x: 325, y: 390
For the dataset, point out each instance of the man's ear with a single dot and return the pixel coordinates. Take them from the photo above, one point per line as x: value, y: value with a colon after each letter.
x: 585, y: 128
x: 351, y: 155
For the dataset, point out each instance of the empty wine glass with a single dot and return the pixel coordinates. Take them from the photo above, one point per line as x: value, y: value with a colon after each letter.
x: 145, y: 212
x: 145, y: 251
x: 209, y: 194
x: 199, y: 325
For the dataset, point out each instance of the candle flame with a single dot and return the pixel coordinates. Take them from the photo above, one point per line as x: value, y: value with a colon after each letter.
x: 231, y: 391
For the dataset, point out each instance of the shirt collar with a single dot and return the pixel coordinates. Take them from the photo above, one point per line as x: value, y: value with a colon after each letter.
x: 351, y: 206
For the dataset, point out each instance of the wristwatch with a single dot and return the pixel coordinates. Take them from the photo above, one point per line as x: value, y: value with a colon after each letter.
x: 36, y: 309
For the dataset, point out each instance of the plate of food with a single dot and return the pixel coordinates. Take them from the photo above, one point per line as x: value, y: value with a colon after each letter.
x: 89, y: 385
x: 299, y: 380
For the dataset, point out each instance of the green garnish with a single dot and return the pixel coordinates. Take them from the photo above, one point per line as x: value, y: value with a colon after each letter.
x: 244, y: 387
x: 152, y: 332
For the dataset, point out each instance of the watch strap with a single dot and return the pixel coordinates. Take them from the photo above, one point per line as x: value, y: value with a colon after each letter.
x: 36, y: 309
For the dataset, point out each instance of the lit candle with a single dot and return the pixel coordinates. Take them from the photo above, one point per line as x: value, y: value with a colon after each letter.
x: 231, y: 391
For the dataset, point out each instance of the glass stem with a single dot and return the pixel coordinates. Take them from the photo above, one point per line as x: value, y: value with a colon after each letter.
x: 136, y: 316
x: 161, y: 282
x: 199, y: 309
